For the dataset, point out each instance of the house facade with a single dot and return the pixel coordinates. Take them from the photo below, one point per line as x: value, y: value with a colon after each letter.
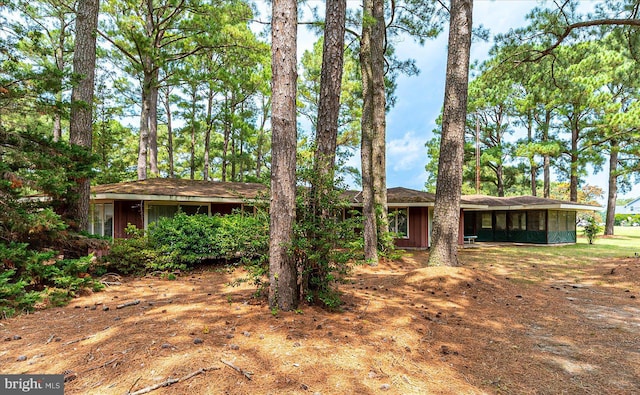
x: 483, y: 218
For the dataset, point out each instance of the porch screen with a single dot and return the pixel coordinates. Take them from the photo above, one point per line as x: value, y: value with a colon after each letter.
x: 536, y: 220
x: 518, y: 221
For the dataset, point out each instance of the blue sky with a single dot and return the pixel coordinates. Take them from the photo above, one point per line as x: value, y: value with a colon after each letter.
x: 419, y: 98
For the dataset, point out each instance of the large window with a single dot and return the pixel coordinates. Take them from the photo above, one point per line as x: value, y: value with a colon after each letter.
x: 399, y: 222
x: 156, y: 211
x: 101, y: 219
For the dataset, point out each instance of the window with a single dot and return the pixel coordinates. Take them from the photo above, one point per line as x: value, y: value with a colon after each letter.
x: 101, y: 219
x: 501, y: 220
x: 157, y: 211
x: 399, y: 222
x: 487, y: 222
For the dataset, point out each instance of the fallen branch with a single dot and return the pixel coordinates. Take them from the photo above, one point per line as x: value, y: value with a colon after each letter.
x: 132, y: 303
x: 50, y: 338
x: 169, y: 382
x: 243, y: 372
x: 77, y: 340
x: 110, y: 279
x: 101, y: 366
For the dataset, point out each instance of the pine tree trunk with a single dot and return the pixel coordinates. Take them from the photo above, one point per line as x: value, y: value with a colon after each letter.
x: 144, y: 129
x: 153, y: 127
x: 444, y: 249
x: 283, y: 276
x: 80, y: 125
x: 379, y: 169
x: 207, y: 135
x: 573, y: 178
x: 192, y: 163
x: 546, y: 165
x: 370, y: 231
x: 533, y: 175
x: 330, y: 85
x: 167, y: 109
x: 613, y: 189
x: 225, y: 139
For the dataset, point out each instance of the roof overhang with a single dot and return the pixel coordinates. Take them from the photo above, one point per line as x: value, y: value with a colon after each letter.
x: 169, y: 198
x: 559, y: 206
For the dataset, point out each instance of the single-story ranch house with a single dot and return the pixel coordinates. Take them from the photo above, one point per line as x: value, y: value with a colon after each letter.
x: 525, y: 219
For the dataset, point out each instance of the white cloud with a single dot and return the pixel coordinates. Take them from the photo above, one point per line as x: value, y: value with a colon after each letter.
x: 406, y: 153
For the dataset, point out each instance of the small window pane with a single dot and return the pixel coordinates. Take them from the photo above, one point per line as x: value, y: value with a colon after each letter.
x: 108, y: 220
x: 402, y: 222
x: 501, y: 221
x: 487, y: 221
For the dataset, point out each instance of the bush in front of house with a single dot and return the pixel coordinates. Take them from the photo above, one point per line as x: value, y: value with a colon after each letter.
x: 181, y: 242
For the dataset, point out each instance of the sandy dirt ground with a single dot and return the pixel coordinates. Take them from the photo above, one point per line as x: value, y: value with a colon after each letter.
x: 488, y: 327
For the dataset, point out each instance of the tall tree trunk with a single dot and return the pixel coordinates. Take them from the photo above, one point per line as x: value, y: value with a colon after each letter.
x: 546, y: 164
x: 500, y: 178
x: 153, y: 126
x: 261, y: 137
x: 379, y: 169
x: 143, y: 146
x: 283, y: 276
x: 194, y: 103
x: 233, y: 159
x: 167, y: 109
x: 573, y: 178
x: 207, y: 135
x: 613, y: 189
x: 370, y: 230
x: 326, y: 135
x: 330, y: 85
x: 533, y: 175
x: 444, y: 249
x: 80, y: 126
x: 225, y: 138
x: 60, y: 64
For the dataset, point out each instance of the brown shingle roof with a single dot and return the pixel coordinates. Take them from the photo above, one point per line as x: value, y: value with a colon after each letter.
x: 185, y: 188
x: 238, y: 191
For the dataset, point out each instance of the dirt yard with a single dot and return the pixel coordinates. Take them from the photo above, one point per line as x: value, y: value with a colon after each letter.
x: 487, y: 327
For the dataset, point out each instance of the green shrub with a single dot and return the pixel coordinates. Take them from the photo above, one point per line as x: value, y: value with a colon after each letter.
x: 29, y: 276
x: 184, y: 240
x: 181, y: 242
x: 591, y: 229
x: 130, y: 256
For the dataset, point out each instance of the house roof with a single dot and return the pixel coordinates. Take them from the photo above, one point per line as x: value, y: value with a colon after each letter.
x: 173, y: 189
x: 405, y: 197
x: 526, y: 202
x: 179, y: 190
x: 632, y: 203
